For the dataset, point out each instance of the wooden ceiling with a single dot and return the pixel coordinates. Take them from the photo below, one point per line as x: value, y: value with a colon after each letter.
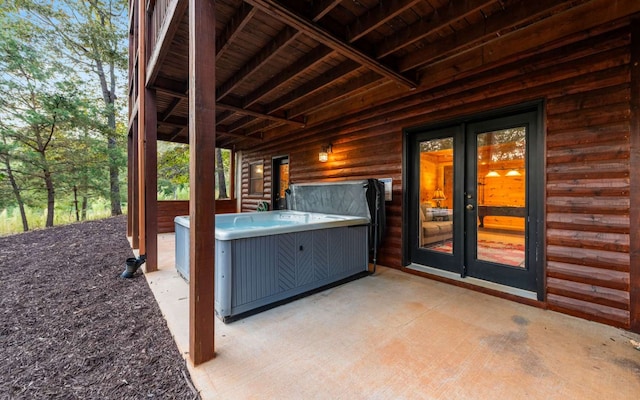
x: 278, y: 62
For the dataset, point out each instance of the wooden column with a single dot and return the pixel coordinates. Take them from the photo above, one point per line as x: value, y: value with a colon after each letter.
x: 129, y: 181
x: 151, y: 180
x: 634, y: 167
x: 135, y: 189
x: 202, y: 139
x: 142, y: 74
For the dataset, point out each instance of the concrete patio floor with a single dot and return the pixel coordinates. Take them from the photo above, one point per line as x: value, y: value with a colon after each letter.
x: 397, y: 336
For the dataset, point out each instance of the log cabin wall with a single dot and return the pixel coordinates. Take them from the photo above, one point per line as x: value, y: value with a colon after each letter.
x: 169, y: 209
x: 585, y: 84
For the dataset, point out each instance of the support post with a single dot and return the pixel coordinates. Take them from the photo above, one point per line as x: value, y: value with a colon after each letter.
x: 151, y: 180
x: 129, y: 181
x: 135, y: 189
x: 142, y: 74
x: 202, y: 140
x: 634, y: 184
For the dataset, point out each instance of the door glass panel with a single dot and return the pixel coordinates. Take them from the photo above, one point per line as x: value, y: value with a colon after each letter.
x: 501, y: 196
x: 436, y: 195
x: 284, y: 179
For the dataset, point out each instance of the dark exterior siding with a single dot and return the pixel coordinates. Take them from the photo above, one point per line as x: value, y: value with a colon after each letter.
x: 586, y: 88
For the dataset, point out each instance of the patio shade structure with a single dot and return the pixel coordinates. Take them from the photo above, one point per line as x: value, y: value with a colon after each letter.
x: 267, y: 78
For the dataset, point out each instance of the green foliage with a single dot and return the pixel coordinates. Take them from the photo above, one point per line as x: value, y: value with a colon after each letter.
x: 58, y: 128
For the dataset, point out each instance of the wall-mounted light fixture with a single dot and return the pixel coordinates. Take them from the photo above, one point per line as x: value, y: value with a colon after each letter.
x: 323, y: 156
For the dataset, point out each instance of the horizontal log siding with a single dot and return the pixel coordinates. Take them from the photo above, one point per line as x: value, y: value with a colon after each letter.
x: 168, y: 210
x: 586, y: 88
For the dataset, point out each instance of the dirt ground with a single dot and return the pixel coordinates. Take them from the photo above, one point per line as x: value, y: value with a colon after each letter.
x: 70, y: 327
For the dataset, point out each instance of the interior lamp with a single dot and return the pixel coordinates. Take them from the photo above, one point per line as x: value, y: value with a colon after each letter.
x: 438, y: 196
x: 513, y: 172
x: 492, y: 174
x: 323, y: 156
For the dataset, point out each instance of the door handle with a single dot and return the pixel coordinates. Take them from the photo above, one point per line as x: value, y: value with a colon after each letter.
x: 469, y: 206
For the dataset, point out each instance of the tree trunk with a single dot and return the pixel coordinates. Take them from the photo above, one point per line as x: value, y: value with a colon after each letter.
x: 114, y: 177
x: 48, y: 181
x: 85, y: 203
x: 16, y: 193
x: 109, y: 97
x: 75, y: 202
x: 222, y: 183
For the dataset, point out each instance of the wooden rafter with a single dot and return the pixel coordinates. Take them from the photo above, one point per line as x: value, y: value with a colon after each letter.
x: 335, y: 94
x: 323, y: 7
x: 314, y: 85
x: 286, y: 36
x: 233, y: 28
x: 172, y: 107
x: 244, y: 111
x: 448, y: 14
x: 305, y: 62
x: 176, y: 89
x: 479, y: 34
x: 325, y: 37
x: 175, y: 13
x: 239, y: 124
x: 377, y: 16
x: 223, y: 116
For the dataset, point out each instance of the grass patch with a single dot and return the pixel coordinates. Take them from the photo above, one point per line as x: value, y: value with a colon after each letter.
x: 11, y: 222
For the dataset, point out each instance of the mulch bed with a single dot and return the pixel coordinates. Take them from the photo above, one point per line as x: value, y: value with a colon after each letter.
x: 70, y: 327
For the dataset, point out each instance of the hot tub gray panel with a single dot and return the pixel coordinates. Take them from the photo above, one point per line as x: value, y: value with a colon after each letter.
x: 270, y: 269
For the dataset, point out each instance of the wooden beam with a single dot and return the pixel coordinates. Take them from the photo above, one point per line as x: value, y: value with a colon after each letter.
x: 142, y: 74
x: 282, y: 39
x: 176, y: 122
x: 223, y: 116
x: 173, y: 17
x: 174, y: 88
x: 634, y: 176
x: 202, y: 141
x: 305, y: 62
x: 321, y: 35
x: 233, y: 28
x: 135, y: 190
x: 328, y: 98
x: 239, y: 124
x: 130, y: 170
x: 299, y: 124
x: 151, y: 180
x: 444, y: 16
x: 172, y: 137
x: 377, y: 16
x: 491, y: 29
x: 323, y: 7
x: 314, y: 85
x: 172, y: 107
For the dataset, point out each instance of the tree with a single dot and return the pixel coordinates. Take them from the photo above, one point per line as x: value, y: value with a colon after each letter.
x: 91, y: 34
x: 221, y: 178
x: 5, y: 157
x: 40, y: 105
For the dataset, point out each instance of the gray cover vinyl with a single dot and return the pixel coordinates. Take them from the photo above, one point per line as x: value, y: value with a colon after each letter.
x: 342, y: 198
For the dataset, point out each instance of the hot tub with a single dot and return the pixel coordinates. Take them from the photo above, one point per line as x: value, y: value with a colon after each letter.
x: 266, y: 258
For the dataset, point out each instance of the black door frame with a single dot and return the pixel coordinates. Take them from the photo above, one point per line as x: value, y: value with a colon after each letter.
x: 276, y: 161
x: 536, y: 203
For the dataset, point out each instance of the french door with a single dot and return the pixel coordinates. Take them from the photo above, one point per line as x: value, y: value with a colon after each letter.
x: 474, y: 199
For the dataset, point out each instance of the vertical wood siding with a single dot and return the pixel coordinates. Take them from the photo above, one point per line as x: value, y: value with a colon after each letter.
x: 586, y: 86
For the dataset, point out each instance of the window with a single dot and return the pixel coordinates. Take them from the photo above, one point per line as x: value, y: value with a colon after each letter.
x: 256, y: 174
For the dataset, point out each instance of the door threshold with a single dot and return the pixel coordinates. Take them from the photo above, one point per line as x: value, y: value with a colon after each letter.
x: 474, y: 281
